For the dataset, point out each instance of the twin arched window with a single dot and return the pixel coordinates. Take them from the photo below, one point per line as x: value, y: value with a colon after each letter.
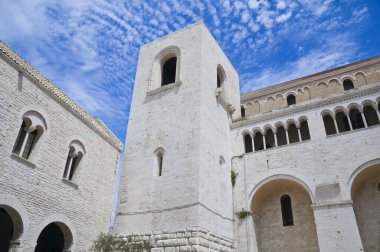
x: 32, y: 127
x: 75, y: 155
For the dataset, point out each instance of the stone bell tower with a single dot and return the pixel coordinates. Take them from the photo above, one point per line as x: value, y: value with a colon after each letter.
x: 176, y: 172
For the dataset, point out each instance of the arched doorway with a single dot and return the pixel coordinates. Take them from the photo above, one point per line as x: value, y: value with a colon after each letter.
x: 283, y: 217
x: 365, y: 194
x: 6, y: 230
x: 11, y: 227
x: 55, y: 237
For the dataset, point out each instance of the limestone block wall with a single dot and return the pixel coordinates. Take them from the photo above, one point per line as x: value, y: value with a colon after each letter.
x: 322, y: 166
x: 311, y: 87
x: 189, y: 121
x: 34, y: 188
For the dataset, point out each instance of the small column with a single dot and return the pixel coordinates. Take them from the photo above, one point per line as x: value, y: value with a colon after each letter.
x: 364, y: 120
x: 275, y: 139
x: 253, y: 144
x: 349, y: 122
x: 287, y: 136
x: 24, y: 143
x: 299, y: 133
x: 336, y: 125
x: 378, y: 114
x: 264, y: 143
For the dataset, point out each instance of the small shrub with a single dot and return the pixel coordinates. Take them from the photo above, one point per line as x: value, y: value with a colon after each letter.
x: 243, y: 214
x: 109, y: 243
x: 233, y: 177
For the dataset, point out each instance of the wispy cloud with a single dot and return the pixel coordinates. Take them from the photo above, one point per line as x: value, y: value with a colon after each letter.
x: 90, y: 48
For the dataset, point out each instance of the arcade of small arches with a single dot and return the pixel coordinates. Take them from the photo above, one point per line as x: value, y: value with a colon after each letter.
x: 54, y: 236
x: 351, y: 118
x: 282, y: 134
x: 282, y: 208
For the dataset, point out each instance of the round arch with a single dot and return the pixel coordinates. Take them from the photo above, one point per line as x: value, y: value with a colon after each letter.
x: 65, y: 225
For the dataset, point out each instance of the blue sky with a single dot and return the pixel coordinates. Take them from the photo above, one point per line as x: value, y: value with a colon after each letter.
x: 90, y: 48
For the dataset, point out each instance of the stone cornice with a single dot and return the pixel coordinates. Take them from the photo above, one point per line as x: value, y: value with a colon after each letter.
x: 309, y: 79
x: 320, y: 102
x: 27, y: 69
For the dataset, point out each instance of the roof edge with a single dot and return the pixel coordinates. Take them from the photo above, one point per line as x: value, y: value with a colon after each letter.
x: 59, y: 95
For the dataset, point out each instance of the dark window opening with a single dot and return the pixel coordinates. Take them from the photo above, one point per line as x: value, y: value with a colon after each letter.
x: 269, y: 139
x: 50, y: 239
x: 6, y: 230
x: 258, y: 141
x: 286, y: 209
x: 73, y: 167
x: 242, y: 111
x: 342, y: 122
x: 356, y: 119
x: 281, y: 136
x: 218, y: 81
x: 378, y: 186
x: 348, y: 84
x: 305, y: 134
x: 169, y: 71
x: 20, y: 139
x: 291, y: 99
x: 159, y: 159
x: 329, y: 125
x: 370, y: 115
x: 248, y: 143
x: 293, y: 133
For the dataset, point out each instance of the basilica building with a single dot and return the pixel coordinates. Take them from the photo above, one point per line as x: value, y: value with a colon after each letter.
x: 290, y: 167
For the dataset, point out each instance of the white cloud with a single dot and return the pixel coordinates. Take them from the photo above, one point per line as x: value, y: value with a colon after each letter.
x: 253, y: 4
x: 283, y: 17
x: 281, y: 5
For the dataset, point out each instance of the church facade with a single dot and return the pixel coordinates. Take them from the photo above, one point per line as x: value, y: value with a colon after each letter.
x: 291, y: 167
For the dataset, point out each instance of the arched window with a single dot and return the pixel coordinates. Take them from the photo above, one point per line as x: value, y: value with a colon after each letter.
x: 248, y: 143
x: 32, y: 127
x: 281, y: 136
x: 356, y: 119
x: 258, y: 141
x: 220, y: 76
x: 74, y: 157
x: 304, y: 128
x: 269, y: 139
x: 293, y: 133
x: 159, y: 160
x: 342, y: 122
x: 370, y: 115
x: 169, y: 69
x: 329, y: 125
x: 291, y: 100
x: 348, y: 84
x: 287, y: 212
x: 242, y: 111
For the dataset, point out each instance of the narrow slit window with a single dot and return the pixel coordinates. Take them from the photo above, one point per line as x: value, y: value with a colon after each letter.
x: 356, y: 119
x: 370, y: 115
x: 159, y: 160
x: 169, y: 69
x: 258, y: 141
x: 286, y: 210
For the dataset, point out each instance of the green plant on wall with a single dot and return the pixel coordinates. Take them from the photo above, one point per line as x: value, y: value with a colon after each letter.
x: 233, y: 177
x: 243, y: 214
x: 109, y: 243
